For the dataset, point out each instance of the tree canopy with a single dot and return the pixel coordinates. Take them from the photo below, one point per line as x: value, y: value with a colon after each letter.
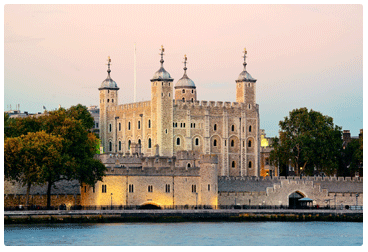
x: 65, y: 132
x: 309, y: 141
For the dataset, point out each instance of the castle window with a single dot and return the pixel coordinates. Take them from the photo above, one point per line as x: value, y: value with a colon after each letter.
x: 215, y: 142
x: 183, y: 125
x: 139, y: 124
x: 192, y: 99
x: 119, y: 126
x: 249, y: 106
x: 197, y: 141
x: 225, y: 142
x: 250, y: 128
x: 243, y: 143
x: 119, y: 145
x: 149, y: 143
x: 166, y: 131
x: 169, y: 94
x: 178, y: 141
x: 128, y: 125
x: 194, y: 188
x: 193, y: 125
x: 149, y: 124
x: 108, y: 100
x: 250, y: 164
x: 209, y: 187
x: 183, y: 91
x: 129, y: 142
x: 192, y: 91
x: 183, y: 99
x: 250, y: 143
x: 162, y: 94
x: 215, y: 127
x: 176, y: 125
x: 188, y: 165
x: 108, y: 91
x: 232, y: 127
x: 139, y: 141
x: 112, y: 100
x: 104, y: 189
x: 167, y: 188
x: 110, y: 146
x: 150, y: 188
x: 233, y: 164
x: 232, y: 143
x: 131, y: 188
x: 110, y: 127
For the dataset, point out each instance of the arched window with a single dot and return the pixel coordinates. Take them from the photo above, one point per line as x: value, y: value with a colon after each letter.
x: 215, y: 142
x: 250, y: 164
x: 250, y: 143
x: 149, y: 124
x: 139, y: 141
x: 128, y: 125
x: 110, y: 127
x: 119, y: 145
x: 129, y: 142
x: 250, y: 128
x: 197, y: 141
x: 110, y: 146
x: 188, y: 165
x: 119, y: 126
x: 139, y: 124
x: 232, y: 127
x: 183, y: 99
x: 233, y: 164
x: 232, y: 143
x: 178, y: 141
x: 215, y: 127
x: 108, y: 100
x: 192, y: 91
x: 149, y: 143
x: 192, y: 99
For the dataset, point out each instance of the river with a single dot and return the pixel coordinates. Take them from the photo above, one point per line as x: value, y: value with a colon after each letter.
x: 187, y: 234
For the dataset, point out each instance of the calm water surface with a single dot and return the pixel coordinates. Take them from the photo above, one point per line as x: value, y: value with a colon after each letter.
x: 188, y: 234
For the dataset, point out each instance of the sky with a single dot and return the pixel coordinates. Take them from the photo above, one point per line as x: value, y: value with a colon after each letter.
x: 301, y: 55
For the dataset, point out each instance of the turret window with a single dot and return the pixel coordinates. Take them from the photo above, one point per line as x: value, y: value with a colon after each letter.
x: 139, y: 124
x: 110, y: 127
x: 119, y: 126
x: 178, y: 141
x: 129, y: 142
x: 192, y: 91
x: 215, y: 142
x: 119, y: 145
x: 232, y: 127
x: 197, y: 141
x: 250, y: 143
x: 110, y: 146
x: 250, y: 128
x: 149, y: 143
x: 215, y: 127
x: 128, y: 125
x: 149, y: 124
x: 232, y: 143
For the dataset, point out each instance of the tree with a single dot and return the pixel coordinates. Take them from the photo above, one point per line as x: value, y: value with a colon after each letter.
x: 309, y: 141
x: 78, y: 146
x: 352, y: 158
x: 29, y: 159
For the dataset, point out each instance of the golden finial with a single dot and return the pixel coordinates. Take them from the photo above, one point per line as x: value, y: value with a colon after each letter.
x: 245, y: 50
x: 185, y: 56
x: 162, y: 48
x: 108, y: 59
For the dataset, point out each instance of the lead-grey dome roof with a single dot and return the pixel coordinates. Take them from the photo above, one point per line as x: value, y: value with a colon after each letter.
x: 185, y: 82
x: 108, y: 83
x: 161, y: 74
x: 245, y: 76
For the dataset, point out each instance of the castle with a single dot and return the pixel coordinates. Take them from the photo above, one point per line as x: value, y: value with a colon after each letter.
x: 174, y: 120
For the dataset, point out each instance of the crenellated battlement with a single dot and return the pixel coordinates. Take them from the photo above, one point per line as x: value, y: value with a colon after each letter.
x: 297, y: 178
x: 143, y: 104
x: 208, y: 104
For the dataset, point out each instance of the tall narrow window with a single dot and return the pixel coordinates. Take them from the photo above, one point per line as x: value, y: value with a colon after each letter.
x: 110, y: 146
x: 110, y: 127
x: 119, y: 145
x: 183, y: 91
x: 250, y: 128
x: 183, y: 99
x: 232, y: 127
x: 215, y: 127
x: 139, y: 124
x: 233, y: 164
x: 149, y: 124
x: 178, y: 141
x: 215, y: 142
x: 167, y: 188
x: 128, y: 125
x: 209, y: 187
x: 139, y: 141
x: 197, y: 141
x: 119, y: 126
x: 129, y: 142
x: 104, y: 189
x: 188, y: 165
x: 249, y: 143
x: 194, y: 188
x: 250, y: 164
x: 150, y: 188
x: 232, y: 143
x: 149, y: 143
x: 131, y: 188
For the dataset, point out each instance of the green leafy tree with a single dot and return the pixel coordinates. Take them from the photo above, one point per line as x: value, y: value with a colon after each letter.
x: 310, y: 141
x: 352, y: 158
x: 30, y: 158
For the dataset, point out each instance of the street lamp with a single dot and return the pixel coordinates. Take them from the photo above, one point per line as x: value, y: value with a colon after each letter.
x: 301, y: 168
x: 111, y: 201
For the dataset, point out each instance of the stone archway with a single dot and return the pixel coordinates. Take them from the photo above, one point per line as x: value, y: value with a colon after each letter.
x: 150, y: 206
x: 294, y: 200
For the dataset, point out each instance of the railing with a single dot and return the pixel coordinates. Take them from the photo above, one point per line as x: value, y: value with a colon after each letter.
x: 179, y: 207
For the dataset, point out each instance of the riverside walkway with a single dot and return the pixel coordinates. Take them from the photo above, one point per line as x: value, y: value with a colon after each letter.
x: 96, y: 216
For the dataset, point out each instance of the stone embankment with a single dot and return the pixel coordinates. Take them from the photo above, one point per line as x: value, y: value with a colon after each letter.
x: 115, y: 216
